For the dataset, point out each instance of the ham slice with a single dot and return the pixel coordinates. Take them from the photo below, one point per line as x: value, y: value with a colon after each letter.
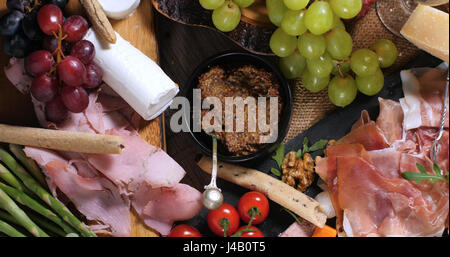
x: 144, y: 163
x: 95, y: 197
x: 305, y: 229
x: 15, y: 72
x: 103, y: 186
x: 160, y: 207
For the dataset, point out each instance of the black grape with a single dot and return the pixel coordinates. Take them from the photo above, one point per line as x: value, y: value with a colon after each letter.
x: 31, y: 28
x: 10, y: 23
x: 17, y: 4
x: 18, y: 45
x: 60, y: 3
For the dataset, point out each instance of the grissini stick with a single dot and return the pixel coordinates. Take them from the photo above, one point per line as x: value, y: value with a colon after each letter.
x: 274, y: 189
x: 99, y: 21
x: 61, y: 140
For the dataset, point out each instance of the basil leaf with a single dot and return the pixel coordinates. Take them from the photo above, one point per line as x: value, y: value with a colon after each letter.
x: 275, y: 172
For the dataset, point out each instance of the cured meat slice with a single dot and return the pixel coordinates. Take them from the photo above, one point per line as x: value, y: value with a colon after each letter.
x: 368, y: 135
x: 161, y: 207
x: 95, y: 197
x: 378, y: 206
x: 333, y: 153
x: 139, y: 164
x: 424, y: 97
x: 15, y: 72
x: 390, y: 120
x: 306, y: 229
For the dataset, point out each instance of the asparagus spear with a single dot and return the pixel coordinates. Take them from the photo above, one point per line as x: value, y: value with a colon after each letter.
x: 29, y: 163
x: 6, y: 217
x: 10, y: 206
x: 9, y: 230
x: 36, y: 206
x: 9, y: 178
x: 48, y: 226
x: 34, y: 186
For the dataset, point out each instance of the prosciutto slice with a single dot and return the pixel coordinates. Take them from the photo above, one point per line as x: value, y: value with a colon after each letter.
x: 424, y: 97
x: 363, y: 171
x: 386, y: 206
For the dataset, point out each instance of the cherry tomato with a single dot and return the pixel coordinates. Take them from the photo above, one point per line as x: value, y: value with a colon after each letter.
x: 184, y: 231
x: 253, y: 199
x: 256, y: 233
x: 225, y: 213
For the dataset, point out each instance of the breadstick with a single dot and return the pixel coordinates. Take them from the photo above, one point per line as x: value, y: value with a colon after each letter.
x: 100, y: 22
x: 274, y: 189
x: 61, y: 140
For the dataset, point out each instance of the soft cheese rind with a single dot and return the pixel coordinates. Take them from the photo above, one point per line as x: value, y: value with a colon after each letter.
x: 134, y: 76
x: 117, y: 10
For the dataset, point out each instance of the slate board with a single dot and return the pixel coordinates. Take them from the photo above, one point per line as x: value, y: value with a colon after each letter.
x: 334, y: 126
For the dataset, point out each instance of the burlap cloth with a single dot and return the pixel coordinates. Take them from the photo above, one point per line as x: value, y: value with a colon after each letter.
x: 309, y: 108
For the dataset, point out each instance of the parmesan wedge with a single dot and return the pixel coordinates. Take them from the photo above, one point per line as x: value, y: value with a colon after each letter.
x: 134, y: 76
x: 428, y: 29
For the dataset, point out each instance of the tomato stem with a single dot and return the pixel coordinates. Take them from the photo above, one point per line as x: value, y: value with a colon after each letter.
x: 224, y: 222
x: 254, y: 211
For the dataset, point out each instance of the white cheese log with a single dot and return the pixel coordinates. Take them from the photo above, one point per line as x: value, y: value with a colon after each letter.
x: 119, y: 9
x: 134, y: 76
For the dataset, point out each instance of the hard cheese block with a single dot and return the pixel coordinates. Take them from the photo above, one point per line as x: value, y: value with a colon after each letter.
x: 428, y: 29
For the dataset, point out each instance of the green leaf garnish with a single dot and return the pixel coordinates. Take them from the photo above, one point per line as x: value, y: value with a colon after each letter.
x: 279, y: 155
x: 305, y: 145
x: 276, y: 172
x: 424, y: 175
x: 319, y: 145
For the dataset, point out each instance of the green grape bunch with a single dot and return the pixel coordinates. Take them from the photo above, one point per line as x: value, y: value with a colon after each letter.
x: 226, y: 14
x: 314, y: 46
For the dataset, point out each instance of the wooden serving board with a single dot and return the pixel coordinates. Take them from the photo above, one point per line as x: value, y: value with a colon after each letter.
x: 139, y: 29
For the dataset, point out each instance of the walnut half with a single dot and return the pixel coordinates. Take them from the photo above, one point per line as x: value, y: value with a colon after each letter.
x: 298, y: 173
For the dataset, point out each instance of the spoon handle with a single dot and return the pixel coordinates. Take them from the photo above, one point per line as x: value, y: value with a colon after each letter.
x: 214, y: 168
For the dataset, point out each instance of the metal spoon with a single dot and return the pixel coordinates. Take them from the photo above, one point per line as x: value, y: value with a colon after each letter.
x: 212, y: 196
x: 441, y: 127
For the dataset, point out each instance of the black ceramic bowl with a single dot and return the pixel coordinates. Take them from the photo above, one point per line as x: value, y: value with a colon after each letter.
x: 230, y: 60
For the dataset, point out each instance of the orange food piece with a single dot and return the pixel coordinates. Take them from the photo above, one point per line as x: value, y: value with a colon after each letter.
x: 326, y: 231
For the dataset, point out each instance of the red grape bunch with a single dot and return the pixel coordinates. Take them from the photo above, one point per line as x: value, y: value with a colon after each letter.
x: 62, y: 70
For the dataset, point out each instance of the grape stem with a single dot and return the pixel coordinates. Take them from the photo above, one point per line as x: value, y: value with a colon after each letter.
x: 59, y: 52
x: 35, y: 4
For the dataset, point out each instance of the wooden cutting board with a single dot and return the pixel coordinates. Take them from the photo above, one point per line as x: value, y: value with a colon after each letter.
x: 139, y: 29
